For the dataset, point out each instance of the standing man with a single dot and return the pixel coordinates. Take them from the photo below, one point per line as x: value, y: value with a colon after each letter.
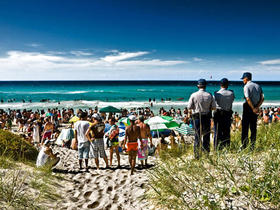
x: 222, y: 117
x: 201, y: 104
x: 254, y: 98
x: 145, y: 135
x: 95, y: 134
x: 132, y: 134
x: 81, y: 128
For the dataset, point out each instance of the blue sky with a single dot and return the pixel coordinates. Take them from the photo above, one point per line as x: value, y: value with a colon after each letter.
x: 139, y: 40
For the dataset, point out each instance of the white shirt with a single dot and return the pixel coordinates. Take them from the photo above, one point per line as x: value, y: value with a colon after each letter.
x: 81, y: 128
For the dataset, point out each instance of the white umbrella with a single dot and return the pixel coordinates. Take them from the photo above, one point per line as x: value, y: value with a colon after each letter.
x: 157, y: 123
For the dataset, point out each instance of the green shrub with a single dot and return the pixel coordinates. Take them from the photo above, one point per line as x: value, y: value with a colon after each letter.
x: 15, y: 147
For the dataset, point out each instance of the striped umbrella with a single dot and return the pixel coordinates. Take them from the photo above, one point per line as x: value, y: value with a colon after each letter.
x: 124, y: 120
x: 185, y: 129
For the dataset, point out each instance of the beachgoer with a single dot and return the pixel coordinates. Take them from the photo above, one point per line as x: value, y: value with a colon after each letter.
x: 81, y: 128
x: 145, y: 135
x: 46, y: 156
x: 201, y: 103
x: 113, y: 135
x: 95, y: 134
x: 36, y: 132
x: 132, y: 134
x: 254, y: 98
x: 222, y: 116
x: 48, y: 130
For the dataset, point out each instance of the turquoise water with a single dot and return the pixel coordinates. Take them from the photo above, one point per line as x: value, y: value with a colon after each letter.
x: 84, y: 94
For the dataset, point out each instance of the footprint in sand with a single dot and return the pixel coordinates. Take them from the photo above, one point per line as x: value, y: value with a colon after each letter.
x: 87, y: 194
x: 93, y: 205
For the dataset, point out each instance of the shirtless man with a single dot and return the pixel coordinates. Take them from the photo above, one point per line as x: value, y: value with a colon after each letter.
x: 48, y: 130
x: 132, y: 134
x: 145, y: 134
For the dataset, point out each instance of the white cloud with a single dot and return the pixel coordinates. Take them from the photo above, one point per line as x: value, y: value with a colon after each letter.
x: 154, y: 62
x: 271, y: 62
x: 20, y: 65
x: 197, y: 59
x: 80, y: 53
x: 119, y: 56
x: 33, y: 45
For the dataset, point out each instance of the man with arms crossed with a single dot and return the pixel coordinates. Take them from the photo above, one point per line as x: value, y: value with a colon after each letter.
x: 254, y: 98
x: 132, y: 134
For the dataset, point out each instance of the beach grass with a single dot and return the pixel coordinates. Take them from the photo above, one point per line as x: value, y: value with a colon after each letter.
x: 222, y: 180
x: 22, y: 185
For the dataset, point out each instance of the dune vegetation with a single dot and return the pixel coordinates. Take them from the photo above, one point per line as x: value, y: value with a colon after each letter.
x: 222, y: 180
x: 22, y: 185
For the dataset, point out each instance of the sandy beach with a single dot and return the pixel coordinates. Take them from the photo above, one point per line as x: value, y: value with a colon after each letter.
x: 100, y: 189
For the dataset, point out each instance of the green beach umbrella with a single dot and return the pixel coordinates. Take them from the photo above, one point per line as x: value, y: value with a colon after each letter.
x: 159, y: 123
x: 110, y: 109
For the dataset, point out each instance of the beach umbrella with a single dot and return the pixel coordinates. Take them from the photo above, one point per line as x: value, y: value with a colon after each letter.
x: 158, y: 123
x: 110, y: 109
x: 185, y: 129
x: 74, y: 119
x: 124, y: 120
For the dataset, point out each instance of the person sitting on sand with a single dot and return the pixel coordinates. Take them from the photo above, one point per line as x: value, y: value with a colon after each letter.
x: 95, y: 135
x: 113, y: 135
x: 46, y: 156
x: 48, y: 130
x: 132, y: 134
x: 145, y: 134
x: 81, y: 128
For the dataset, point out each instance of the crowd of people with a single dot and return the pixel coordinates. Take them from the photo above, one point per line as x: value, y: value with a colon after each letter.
x: 41, y: 126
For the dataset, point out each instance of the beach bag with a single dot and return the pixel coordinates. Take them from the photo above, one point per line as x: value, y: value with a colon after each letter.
x: 74, y: 144
x: 152, y: 150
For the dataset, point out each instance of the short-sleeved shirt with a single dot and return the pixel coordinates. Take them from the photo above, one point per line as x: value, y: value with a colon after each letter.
x: 224, y: 99
x: 81, y: 128
x: 201, y: 102
x: 253, y: 91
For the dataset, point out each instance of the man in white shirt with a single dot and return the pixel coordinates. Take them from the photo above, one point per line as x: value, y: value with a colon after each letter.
x: 81, y: 128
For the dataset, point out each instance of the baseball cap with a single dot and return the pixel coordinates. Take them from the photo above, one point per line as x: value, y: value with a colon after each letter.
x: 132, y: 118
x: 201, y: 82
x: 247, y: 75
x: 224, y: 81
x: 96, y: 116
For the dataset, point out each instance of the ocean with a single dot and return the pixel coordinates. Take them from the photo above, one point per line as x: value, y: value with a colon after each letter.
x: 121, y: 94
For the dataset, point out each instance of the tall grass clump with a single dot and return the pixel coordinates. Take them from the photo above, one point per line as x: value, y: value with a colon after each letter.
x: 15, y: 147
x: 231, y: 178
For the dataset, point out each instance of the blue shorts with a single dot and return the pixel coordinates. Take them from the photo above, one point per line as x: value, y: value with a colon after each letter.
x: 83, y: 150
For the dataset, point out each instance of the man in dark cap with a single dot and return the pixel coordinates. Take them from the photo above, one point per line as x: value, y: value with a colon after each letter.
x: 222, y: 116
x: 201, y: 104
x: 254, y: 98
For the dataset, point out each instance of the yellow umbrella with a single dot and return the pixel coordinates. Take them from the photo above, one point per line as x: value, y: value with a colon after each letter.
x: 74, y: 119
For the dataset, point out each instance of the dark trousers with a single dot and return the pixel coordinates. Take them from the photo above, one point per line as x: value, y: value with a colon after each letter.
x: 222, y: 124
x: 202, y: 133
x: 249, y: 120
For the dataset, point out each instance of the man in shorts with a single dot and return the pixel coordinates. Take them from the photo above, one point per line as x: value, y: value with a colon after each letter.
x: 95, y: 134
x: 81, y: 128
x: 145, y: 135
x: 132, y: 134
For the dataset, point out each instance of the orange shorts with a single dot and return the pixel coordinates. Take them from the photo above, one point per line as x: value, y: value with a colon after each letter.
x: 132, y: 146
